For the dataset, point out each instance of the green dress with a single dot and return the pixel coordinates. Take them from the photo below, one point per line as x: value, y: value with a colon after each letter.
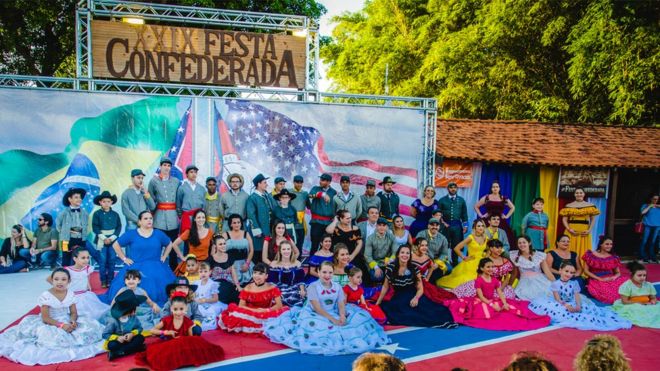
x: 639, y: 314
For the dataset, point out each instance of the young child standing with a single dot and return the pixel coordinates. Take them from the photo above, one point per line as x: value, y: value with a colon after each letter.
x: 87, y: 303
x: 146, y: 311
x: 123, y: 331
x: 192, y: 268
x: 181, y: 284
x: 106, y: 226
x: 535, y: 225
x: 57, y: 334
x: 206, y: 297
x: 490, y: 309
x: 568, y: 308
x: 355, y: 295
x: 638, y: 302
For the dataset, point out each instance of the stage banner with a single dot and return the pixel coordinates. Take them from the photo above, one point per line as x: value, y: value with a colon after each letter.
x: 593, y: 181
x: 94, y: 140
x: 459, y: 172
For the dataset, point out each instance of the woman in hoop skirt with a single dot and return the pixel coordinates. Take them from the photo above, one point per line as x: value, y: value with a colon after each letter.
x: 495, y: 203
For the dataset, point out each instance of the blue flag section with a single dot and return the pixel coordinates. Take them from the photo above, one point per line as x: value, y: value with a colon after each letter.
x: 82, y: 173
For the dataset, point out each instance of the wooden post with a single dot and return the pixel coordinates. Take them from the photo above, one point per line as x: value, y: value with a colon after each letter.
x: 614, y: 185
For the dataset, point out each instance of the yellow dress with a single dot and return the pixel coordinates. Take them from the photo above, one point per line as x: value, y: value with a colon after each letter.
x: 578, y: 220
x: 465, y: 270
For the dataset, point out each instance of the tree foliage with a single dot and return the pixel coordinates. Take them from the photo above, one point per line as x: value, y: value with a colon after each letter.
x: 548, y: 60
x: 37, y: 37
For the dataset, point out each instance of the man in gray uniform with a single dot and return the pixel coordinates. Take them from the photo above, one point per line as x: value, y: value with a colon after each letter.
x: 162, y: 188
x: 379, y: 248
x: 136, y: 199
x: 369, y: 200
x: 300, y: 204
x: 234, y: 201
x: 189, y: 197
x: 259, y: 208
x: 438, y: 245
x: 347, y: 200
x: 213, y: 206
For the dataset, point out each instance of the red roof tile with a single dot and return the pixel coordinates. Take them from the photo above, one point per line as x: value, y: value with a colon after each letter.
x: 526, y: 142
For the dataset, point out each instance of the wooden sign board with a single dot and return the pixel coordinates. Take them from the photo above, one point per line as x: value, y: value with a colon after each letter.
x: 196, y: 56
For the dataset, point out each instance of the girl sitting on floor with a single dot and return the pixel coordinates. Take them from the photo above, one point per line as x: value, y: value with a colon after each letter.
x: 638, y: 302
x: 535, y: 275
x: 147, y: 311
x: 206, y: 297
x: 259, y: 301
x: 490, y: 309
x: 87, y: 303
x: 181, y: 284
x: 430, y: 270
x: 326, y: 324
x: 181, y: 348
x: 56, y: 335
x: 355, y: 295
x: 502, y: 272
x: 568, y: 308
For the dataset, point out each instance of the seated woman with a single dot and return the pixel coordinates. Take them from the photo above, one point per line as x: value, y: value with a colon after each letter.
x: 562, y: 254
x: 476, y: 249
x: 567, y: 308
x: 223, y: 270
x: 287, y: 274
x: 489, y: 309
x: 430, y: 272
x: 638, y: 302
x: 323, y: 254
x: 341, y: 263
x: 272, y: 242
x: 604, y: 271
x: 408, y: 306
x: 502, y: 271
x: 15, y: 253
x: 199, y: 239
x: 259, y: 301
x: 238, y: 239
x: 535, y: 275
x: 145, y: 247
x: 325, y: 324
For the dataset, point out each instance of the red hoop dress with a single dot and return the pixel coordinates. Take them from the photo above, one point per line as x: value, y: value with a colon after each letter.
x: 251, y: 318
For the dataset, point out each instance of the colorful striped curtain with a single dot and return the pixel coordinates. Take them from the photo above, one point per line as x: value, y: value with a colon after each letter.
x: 548, y: 182
x: 492, y: 172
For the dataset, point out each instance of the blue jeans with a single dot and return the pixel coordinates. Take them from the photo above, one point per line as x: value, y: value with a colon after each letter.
x: 107, y: 264
x: 16, y: 266
x: 648, y: 247
x: 48, y: 257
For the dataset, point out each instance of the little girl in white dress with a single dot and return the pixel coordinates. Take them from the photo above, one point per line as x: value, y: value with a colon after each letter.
x: 87, y: 303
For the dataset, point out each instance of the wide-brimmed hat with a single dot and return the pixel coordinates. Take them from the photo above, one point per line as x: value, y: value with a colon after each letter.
x: 235, y: 175
x: 258, y: 179
x: 126, y: 302
x: 179, y: 281
x: 387, y: 179
x: 71, y: 192
x: 284, y: 192
x: 105, y: 194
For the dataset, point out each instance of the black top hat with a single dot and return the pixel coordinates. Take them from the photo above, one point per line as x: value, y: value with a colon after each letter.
x: 105, y: 194
x: 179, y: 281
x: 71, y: 192
x: 284, y: 192
x: 126, y: 302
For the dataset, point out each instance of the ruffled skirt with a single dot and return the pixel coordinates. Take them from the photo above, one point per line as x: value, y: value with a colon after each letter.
x: 242, y: 319
x: 210, y: 313
x: 639, y: 314
x: 475, y: 313
x: 89, y: 305
x: 591, y: 317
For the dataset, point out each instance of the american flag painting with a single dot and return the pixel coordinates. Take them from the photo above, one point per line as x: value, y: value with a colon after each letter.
x: 255, y: 139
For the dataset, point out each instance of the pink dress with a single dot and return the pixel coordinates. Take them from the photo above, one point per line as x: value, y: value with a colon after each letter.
x: 499, y: 272
x: 475, y: 313
x: 606, y: 292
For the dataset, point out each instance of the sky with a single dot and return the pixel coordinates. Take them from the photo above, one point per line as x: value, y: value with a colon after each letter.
x: 335, y: 7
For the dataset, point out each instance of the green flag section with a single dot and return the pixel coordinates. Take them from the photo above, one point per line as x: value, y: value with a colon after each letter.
x: 146, y: 126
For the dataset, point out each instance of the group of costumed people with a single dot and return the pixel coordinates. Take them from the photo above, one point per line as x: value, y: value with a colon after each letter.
x: 196, y: 260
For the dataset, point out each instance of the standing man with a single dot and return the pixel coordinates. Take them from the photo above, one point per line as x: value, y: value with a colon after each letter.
x: 454, y: 216
x: 368, y: 227
x: 73, y: 224
x: 279, y: 185
x: 234, y: 201
x: 347, y: 200
x: 322, y: 209
x: 136, y: 199
x: 44, y: 244
x: 106, y: 226
x: 190, y: 197
x: 300, y: 204
x: 389, y: 200
x: 369, y: 199
x: 213, y: 205
x: 162, y: 188
x: 259, y: 207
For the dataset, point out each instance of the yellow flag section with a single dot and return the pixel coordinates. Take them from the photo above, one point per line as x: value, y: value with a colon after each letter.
x: 549, y: 179
x: 114, y: 165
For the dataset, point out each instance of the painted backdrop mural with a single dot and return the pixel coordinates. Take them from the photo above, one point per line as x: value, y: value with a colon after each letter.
x: 53, y: 141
